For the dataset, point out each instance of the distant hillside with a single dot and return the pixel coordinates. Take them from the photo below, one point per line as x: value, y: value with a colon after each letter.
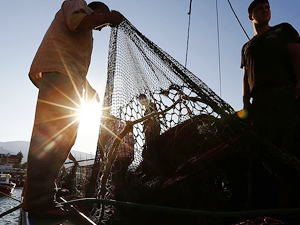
x: 5, y: 151
x: 13, y: 147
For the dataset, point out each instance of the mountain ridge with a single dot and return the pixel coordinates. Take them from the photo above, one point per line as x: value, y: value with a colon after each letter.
x: 13, y: 147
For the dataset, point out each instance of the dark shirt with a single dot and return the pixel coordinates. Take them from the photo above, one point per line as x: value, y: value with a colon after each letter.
x: 266, y: 57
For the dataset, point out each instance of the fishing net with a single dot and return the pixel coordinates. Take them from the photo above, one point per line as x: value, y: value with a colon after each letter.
x: 74, y: 179
x: 168, y: 141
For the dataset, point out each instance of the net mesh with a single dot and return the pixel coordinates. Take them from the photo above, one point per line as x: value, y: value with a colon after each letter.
x: 166, y: 139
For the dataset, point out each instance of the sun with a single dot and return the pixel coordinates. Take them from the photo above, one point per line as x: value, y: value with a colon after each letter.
x: 87, y: 136
x: 89, y: 112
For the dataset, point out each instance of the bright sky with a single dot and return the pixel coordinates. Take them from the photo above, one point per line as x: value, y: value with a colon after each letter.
x: 24, y: 23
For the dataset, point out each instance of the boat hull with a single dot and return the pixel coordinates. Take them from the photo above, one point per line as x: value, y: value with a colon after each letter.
x: 7, y: 189
x: 26, y: 219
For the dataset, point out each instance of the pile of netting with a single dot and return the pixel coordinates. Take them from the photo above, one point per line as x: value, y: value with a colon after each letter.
x: 174, y: 150
x: 74, y: 178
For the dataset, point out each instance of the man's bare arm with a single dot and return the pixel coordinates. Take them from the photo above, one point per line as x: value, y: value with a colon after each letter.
x: 71, y: 157
x: 294, y: 50
x: 89, y: 22
x: 90, y: 93
x: 246, y: 91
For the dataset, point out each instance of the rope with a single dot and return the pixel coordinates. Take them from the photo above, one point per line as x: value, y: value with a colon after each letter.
x: 219, y: 51
x: 10, y: 211
x: 82, y: 216
x: 238, y: 20
x: 188, y: 34
x: 238, y: 214
x: 84, y: 160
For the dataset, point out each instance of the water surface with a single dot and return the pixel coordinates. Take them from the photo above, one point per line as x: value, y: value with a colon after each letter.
x: 7, y: 203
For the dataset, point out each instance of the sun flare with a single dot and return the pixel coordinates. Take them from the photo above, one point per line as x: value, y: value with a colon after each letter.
x: 89, y: 112
x: 89, y: 115
x: 87, y: 136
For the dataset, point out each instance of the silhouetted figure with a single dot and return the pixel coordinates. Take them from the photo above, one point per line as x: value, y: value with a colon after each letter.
x: 271, y: 63
x: 124, y: 156
x: 152, y: 132
x: 59, y: 70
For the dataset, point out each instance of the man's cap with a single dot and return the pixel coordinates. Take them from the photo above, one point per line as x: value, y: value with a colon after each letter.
x: 255, y: 3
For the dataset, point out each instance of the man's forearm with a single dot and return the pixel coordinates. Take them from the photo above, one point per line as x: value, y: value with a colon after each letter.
x: 90, y: 93
x: 294, y: 51
x: 90, y: 22
x: 246, y: 91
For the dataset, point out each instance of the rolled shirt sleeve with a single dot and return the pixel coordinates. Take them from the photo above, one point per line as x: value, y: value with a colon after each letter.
x: 74, y: 11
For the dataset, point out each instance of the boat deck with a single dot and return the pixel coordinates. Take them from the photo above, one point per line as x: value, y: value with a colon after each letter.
x: 76, y: 218
x: 26, y: 219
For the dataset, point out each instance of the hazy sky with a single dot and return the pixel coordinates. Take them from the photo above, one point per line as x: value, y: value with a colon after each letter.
x: 24, y: 23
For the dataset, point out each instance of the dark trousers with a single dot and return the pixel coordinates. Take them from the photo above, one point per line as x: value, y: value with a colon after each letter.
x: 273, y: 114
x: 53, y: 135
x: 274, y: 117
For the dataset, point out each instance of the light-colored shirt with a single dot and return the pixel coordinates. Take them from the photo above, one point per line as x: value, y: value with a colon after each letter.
x: 64, y: 49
